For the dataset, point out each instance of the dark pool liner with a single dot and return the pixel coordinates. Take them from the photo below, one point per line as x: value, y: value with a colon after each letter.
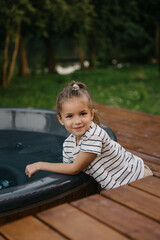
x: 37, y: 120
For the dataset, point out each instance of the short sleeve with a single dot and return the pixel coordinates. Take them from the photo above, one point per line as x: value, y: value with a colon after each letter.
x: 67, y: 151
x: 93, y: 144
x: 66, y: 158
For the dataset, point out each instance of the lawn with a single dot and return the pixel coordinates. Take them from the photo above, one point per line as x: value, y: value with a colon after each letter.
x: 134, y: 87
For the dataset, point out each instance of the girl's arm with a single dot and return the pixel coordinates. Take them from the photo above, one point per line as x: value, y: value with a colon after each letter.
x: 81, y: 162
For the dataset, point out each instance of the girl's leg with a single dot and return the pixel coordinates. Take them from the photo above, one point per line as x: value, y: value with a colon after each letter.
x: 147, y: 171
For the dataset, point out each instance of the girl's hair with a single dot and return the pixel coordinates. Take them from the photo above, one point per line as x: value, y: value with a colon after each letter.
x: 75, y: 89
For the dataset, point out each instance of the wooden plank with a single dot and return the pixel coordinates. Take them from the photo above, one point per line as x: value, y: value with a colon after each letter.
x: 151, y: 161
x: 146, y: 157
x: 110, y: 112
x: 142, y: 145
x: 133, y: 129
x: 137, y: 143
x: 75, y: 224
x: 29, y: 228
x: 136, y: 127
x: 1, y: 238
x: 141, y: 130
x: 135, y: 199
x: 149, y: 184
x: 131, y: 124
x: 124, y: 220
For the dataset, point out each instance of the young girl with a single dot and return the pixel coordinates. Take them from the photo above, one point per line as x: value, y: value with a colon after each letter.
x: 89, y: 148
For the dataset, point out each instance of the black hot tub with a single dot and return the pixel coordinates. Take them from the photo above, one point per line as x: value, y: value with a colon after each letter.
x: 27, y: 136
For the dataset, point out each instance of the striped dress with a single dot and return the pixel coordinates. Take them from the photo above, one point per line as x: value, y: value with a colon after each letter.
x: 113, y: 166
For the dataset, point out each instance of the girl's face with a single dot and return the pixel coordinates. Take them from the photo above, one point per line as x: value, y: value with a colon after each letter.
x: 76, y: 116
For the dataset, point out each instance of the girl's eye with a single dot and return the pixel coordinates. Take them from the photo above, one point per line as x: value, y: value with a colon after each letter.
x: 83, y: 113
x: 69, y: 116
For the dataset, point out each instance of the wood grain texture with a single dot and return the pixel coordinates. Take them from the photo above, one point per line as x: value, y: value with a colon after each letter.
x: 135, y: 130
x: 1, y: 238
x: 75, y: 224
x: 29, y: 228
x: 121, y: 218
x: 127, y: 212
x: 135, y: 199
x: 149, y: 184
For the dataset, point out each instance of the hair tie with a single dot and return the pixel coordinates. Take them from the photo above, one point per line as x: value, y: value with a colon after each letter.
x: 75, y: 87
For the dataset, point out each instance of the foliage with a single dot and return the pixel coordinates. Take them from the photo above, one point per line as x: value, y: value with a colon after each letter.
x: 100, y: 30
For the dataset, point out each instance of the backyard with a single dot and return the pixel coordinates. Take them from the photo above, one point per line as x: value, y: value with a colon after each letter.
x: 133, y: 87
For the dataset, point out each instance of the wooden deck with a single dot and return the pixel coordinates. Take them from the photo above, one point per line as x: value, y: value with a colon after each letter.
x: 127, y: 212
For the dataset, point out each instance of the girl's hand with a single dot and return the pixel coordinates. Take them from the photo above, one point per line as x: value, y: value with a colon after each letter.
x: 81, y: 162
x: 31, y: 169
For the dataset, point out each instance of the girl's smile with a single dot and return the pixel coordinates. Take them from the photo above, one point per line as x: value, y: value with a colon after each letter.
x: 76, y: 116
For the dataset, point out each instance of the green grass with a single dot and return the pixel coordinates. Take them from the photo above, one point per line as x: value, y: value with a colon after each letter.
x: 134, y: 87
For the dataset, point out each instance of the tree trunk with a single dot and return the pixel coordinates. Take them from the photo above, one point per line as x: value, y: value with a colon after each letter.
x: 14, y: 55
x: 49, y: 54
x: 158, y: 39
x: 5, y: 61
x: 92, y: 52
x: 80, y: 52
x: 23, y: 69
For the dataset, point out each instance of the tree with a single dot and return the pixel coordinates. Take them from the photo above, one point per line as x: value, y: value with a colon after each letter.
x: 158, y: 37
x: 12, y: 16
x: 127, y: 29
x: 79, y: 23
x: 23, y: 63
x: 152, y: 19
x: 7, y: 17
x: 49, y: 19
x: 97, y: 32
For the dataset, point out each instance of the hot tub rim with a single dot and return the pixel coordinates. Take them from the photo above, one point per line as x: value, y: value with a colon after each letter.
x: 67, y: 181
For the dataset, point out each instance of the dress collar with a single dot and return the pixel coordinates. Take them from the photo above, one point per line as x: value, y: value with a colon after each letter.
x: 86, y: 134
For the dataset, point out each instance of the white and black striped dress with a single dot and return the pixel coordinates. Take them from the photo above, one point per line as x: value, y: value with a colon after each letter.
x: 113, y: 166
